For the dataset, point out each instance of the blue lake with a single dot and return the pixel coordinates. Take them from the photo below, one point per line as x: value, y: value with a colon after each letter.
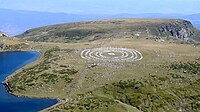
x: 9, y: 63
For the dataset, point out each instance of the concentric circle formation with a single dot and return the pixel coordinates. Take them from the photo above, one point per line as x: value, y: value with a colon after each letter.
x: 111, y: 54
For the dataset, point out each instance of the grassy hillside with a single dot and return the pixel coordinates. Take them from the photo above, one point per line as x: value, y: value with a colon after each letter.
x: 167, y: 78
x: 115, y: 28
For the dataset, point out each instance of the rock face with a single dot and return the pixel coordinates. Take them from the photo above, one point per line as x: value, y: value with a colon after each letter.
x: 1, y: 44
x: 1, y: 39
x: 3, y: 34
x: 114, y: 28
x: 179, y: 29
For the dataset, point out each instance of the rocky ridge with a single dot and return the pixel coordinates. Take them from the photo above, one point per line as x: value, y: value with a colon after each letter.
x: 180, y: 29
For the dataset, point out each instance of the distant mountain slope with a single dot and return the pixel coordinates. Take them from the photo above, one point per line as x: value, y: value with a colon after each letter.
x: 195, y: 19
x: 114, y: 28
x: 15, y: 22
x: 193, y: 16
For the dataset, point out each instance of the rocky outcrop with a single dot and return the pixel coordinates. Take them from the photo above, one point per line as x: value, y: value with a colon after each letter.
x: 2, y: 34
x: 1, y: 44
x: 179, y: 29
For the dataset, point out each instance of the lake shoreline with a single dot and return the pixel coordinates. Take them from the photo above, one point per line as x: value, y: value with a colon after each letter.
x: 20, y: 69
x: 45, y: 109
x: 14, y: 73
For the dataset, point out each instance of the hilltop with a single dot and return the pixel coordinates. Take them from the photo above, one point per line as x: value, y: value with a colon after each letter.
x: 113, y: 28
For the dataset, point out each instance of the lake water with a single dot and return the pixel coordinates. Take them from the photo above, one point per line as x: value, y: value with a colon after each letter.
x: 9, y: 63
